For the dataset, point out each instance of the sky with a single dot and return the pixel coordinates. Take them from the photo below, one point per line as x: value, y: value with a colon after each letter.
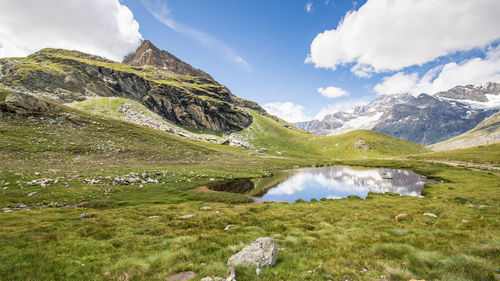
x: 298, y: 59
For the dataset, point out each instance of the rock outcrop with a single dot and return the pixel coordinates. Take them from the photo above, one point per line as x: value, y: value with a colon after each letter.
x: 24, y: 104
x: 149, y: 55
x: 260, y: 253
x: 172, y: 89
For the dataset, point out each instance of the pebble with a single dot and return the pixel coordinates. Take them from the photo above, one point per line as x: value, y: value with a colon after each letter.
x: 205, y: 208
x: 257, y: 271
x: 153, y: 217
x: 84, y: 216
x: 430, y: 215
x: 187, y: 216
x: 465, y: 221
x: 32, y: 193
x: 229, y: 226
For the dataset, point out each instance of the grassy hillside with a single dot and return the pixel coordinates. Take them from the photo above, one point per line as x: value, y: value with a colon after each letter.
x: 135, y: 232
x: 282, y: 139
x: 488, y: 131
x: 484, y: 154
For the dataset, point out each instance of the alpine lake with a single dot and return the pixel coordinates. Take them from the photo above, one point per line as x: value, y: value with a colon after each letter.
x: 334, y: 182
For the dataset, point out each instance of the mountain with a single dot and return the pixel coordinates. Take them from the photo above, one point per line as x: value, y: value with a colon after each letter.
x: 162, y: 83
x: 486, y: 132
x: 425, y: 119
x: 149, y: 55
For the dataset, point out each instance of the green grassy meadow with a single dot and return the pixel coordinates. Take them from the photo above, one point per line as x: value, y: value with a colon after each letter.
x: 137, y: 233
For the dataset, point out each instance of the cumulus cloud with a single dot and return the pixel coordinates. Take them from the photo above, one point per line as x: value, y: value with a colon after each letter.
x: 101, y: 27
x: 309, y: 7
x: 389, y: 35
x: 287, y: 111
x: 332, y: 92
x: 160, y: 11
x: 444, y: 77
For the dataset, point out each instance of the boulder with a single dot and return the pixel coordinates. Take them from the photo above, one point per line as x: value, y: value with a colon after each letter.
x: 24, y: 104
x: 182, y: 276
x: 260, y: 253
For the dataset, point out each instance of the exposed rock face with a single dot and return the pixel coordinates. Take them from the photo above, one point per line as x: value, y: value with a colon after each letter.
x: 428, y: 120
x: 260, y: 253
x: 193, y: 101
x: 24, y: 104
x: 486, y: 132
x: 471, y: 92
x: 424, y: 119
x: 149, y: 55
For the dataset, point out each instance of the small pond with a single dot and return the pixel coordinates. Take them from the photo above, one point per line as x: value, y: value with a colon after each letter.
x: 327, y: 182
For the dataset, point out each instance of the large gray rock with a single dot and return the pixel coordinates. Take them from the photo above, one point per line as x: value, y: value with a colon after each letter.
x: 24, y: 104
x: 260, y: 253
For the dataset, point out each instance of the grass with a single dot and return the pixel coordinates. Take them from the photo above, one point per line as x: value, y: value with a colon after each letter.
x: 483, y: 154
x: 137, y: 233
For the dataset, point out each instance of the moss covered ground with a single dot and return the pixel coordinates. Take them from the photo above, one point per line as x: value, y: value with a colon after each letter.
x: 137, y: 233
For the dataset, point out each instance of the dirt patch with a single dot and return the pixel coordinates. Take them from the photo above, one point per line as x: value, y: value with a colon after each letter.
x: 203, y: 188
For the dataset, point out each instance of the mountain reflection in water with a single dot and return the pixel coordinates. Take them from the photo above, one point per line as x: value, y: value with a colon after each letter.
x: 328, y: 182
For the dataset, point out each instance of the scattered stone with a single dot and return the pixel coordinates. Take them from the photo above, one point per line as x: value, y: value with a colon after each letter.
x: 84, y: 216
x: 402, y: 215
x: 37, y: 174
x: 205, y: 208
x: 232, y: 274
x: 260, y: 253
x: 229, y: 226
x: 465, y: 221
x: 182, y: 276
x: 310, y: 271
x: 262, y: 150
x: 153, y: 217
x: 145, y: 175
x: 211, y: 179
x: 361, y: 144
x: 32, y: 194
x: 187, y: 216
x: 257, y: 271
x: 430, y: 215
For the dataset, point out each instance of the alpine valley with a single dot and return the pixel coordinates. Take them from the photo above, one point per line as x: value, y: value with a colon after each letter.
x: 150, y: 169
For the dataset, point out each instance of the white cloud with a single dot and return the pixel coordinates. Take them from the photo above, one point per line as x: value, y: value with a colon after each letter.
x: 389, y: 35
x: 444, y: 77
x: 332, y: 92
x: 345, y: 106
x: 287, y: 111
x: 309, y: 7
x: 101, y: 27
x: 160, y: 11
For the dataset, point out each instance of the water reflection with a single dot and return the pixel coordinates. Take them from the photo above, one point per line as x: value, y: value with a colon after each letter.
x: 328, y: 182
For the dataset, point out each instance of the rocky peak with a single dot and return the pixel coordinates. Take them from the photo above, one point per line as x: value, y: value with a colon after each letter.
x: 149, y: 55
x: 471, y: 92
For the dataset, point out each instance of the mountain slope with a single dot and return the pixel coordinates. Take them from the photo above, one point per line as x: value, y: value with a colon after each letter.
x: 424, y: 119
x: 149, y: 55
x: 67, y: 76
x: 486, y: 132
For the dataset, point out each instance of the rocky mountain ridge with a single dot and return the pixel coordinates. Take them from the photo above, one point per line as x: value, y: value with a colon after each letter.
x: 424, y: 119
x: 65, y: 76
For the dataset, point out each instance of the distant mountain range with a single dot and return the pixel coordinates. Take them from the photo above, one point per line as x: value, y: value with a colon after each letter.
x: 486, y: 132
x: 424, y: 119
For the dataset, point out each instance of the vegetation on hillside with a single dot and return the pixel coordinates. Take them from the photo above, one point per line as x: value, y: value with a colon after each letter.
x: 134, y: 232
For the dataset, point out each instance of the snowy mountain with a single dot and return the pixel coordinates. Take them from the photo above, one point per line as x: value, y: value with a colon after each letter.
x: 424, y: 119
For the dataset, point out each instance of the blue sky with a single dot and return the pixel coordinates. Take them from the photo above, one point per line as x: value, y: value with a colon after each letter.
x: 300, y: 59
x: 273, y: 37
